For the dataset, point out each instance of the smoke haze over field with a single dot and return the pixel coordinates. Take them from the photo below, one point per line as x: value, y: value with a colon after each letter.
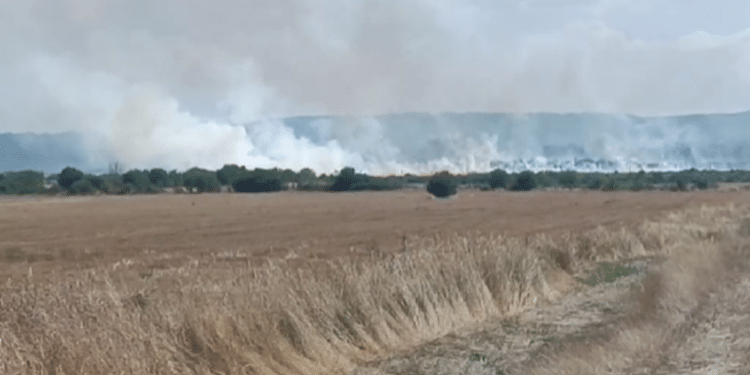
x: 176, y: 84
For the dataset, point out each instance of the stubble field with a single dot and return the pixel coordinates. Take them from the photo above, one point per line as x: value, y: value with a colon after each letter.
x: 563, y: 282
x: 57, y: 235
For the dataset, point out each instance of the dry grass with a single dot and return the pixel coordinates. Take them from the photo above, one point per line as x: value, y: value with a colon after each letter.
x: 61, y: 235
x: 271, y: 320
x: 701, y: 250
x: 235, y: 318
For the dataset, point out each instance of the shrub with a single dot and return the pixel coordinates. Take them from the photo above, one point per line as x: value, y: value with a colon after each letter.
x: 175, y: 178
x: 256, y: 184
x: 380, y: 184
x: 348, y: 180
x: 525, y: 182
x: 206, y: 184
x: 442, y: 185
x: 136, y: 180
x: 498, y: 179
x: 96, y: 181
x: 596, y: 183
x: 158, y: 177
x: 681, y: 185
x: 701, y: 184
x: 114, y: 186
x: 610, y: 185
x: 68, y: 177
x: 24, y: 182
x: 54, y: 190
x: 82, y: 187
x: 306, y: 176
x: 637, y: 186
x: 229, y: 173
x: 202, y: 180
x: 568, y: 179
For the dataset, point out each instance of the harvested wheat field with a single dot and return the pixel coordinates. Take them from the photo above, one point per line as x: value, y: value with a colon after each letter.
x: 376, y: 283
x: 159, y: 231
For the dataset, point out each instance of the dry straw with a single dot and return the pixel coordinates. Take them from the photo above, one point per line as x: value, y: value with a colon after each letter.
x: 278, y: 319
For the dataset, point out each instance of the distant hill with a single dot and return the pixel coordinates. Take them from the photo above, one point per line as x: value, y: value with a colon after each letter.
x: 465, y: 142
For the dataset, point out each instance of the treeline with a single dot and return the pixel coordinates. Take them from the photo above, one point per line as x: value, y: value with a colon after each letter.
x: 236, y: 178
x: 635, y: 181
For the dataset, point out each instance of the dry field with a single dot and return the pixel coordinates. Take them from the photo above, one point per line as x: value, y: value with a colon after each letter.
x: 62, y: 234
x: 376, y: 283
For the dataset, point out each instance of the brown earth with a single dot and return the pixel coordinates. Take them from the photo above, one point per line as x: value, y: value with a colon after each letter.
x: 56, y: 235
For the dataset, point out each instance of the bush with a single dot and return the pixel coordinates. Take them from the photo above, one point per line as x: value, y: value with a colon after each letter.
x: 158, y: 177
x: 256, y: 184
x: 637, y: 186
x: 681, y: 185
x: 525, y: 182
x: 68, y: 177
x: 206, y: 184
x: 442, y: 185
x: 137, y: 181
x: 568, y: 179
x: 498, y: 179
x: 97, y: 182
x: 82, y: 187
x: 202, y: 180
x: 701, y: 184
x: 24, y: 182
x: 306, y: 176
x: 610, y: 185
x: 114, y: 186
x: 596, y: 184
x: 175, y: 178
x: 229, y: 173
x: 54, y: 190
x: 381, y: 184
x: 348, y: 180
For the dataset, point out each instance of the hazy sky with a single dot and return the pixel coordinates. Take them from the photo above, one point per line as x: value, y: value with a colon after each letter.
x: 183, y: 71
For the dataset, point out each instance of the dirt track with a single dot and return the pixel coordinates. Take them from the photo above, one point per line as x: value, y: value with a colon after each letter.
x: 60, y: 234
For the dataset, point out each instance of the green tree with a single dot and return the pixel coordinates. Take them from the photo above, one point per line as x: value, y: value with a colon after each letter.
x: 83, y: 187
x: 116, y: 168
x: 287, y: 175
x: 596, y: 183
x: 568, y: 179
x: 137, y: 180
x: 442, y: 185
x: 610, y: 184
x: 255, y: 183
x: 175, y: 178
x: 229, y: 172
x: 158, y: 177
x: 349, y: 180
x: 23, y: 182
x: 96, y: 181
x: 525, y: 181
x: 498, y: 179
x: 204, y: 181
x: 306, y: 176
x: 68, y: 177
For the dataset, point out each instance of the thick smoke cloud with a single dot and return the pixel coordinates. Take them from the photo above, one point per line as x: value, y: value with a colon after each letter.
x: 181, y: 83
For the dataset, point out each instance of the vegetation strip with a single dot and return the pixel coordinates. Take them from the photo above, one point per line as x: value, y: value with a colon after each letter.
x: 239, y: 179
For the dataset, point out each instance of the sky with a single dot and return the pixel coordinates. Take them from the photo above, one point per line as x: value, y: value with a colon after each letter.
x: 176, y: 82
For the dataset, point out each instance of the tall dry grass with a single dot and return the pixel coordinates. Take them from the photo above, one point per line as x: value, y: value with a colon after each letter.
x: 703, y: 249
x: 236, y: 319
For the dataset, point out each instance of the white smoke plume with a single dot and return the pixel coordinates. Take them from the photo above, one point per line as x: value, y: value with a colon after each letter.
x: 187, y: 83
